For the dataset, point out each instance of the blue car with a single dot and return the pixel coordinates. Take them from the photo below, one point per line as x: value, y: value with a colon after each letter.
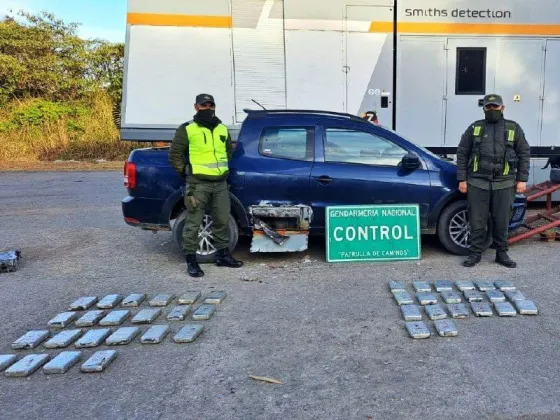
x: 315, y: 159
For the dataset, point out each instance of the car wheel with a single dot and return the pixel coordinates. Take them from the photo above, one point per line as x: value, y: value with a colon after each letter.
x: 206, y: 251
x: 454, y: 229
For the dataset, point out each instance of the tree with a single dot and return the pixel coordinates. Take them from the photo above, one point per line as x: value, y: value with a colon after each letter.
x: 42, y: 57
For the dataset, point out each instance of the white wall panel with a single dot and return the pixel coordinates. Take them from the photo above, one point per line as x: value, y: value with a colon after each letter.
x: 314, y: 61
x: 169, y: 66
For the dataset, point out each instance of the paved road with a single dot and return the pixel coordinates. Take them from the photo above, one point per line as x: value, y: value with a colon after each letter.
x: 331, y: 333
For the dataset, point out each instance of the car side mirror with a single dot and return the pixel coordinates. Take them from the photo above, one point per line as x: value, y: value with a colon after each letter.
x: 410, y: 161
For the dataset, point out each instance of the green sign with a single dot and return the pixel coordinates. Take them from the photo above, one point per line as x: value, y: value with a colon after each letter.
x: 373, y: 233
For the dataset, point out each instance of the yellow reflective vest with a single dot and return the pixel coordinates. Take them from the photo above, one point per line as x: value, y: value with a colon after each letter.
x: 207, y: 149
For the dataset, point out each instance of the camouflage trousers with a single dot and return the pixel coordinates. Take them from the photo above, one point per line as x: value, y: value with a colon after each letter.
x: 496, y: 204
x: 202, y: 196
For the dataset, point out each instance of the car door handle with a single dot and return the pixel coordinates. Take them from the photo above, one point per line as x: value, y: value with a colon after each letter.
x: 323, y: 179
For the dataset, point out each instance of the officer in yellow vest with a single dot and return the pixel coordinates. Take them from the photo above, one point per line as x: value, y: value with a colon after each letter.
x: 200, y: 153
x: 492, y: 165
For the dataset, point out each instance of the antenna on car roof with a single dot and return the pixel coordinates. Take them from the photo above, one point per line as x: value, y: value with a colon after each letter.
x: 259, y: 104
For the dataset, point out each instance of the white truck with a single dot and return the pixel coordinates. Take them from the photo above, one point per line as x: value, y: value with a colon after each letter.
x: 423, y: 66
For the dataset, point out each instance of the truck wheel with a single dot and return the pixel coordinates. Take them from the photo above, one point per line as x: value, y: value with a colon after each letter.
x: 206, y: 251
x: 454, y: 229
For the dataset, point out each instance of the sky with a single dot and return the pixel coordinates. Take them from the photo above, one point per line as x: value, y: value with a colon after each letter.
x: 105, y: 19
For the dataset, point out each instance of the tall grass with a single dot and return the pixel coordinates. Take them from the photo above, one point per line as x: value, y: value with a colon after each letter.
x: 35, y: 130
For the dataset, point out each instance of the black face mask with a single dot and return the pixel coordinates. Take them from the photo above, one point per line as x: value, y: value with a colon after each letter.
x: 206, y: 115
x: 493, y: 115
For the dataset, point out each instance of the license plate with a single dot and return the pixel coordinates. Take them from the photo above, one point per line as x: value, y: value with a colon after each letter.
x: 426, y: 298
x: 473, y: 296
x: 458, y: 310
x: 526, y: 307
x: 443, y: 286
x: 435, y: 312
x: 451, y: 297
x: 403, y: 298
x: 411, y: 313
x: 417, y: 329
x: 463, y: 285
x: 481, y: 308
x: 445, y: 328
x: 504, y: 285
x: 505, y: 309
x: 422, y: 286
x: 495, y: 296
x: 397, y: 286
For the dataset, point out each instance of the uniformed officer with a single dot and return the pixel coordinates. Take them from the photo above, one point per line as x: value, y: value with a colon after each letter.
x: 200, y: 153
x: 492, y: 165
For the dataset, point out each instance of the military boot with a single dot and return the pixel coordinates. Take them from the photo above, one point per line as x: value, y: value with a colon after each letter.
x: 224, y: 259
x: 192, y: 266
x: 503, y: 258
x: 472, y: 260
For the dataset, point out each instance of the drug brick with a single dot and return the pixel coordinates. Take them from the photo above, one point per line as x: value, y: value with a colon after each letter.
x: 31, y: 339
x: 133, y: 300
x: 27, y: 365
x: 62, y: 363
x: 99, y: 361
x: 155, y: 334
x: 83, y: 303
x: 109, y: 301
x: 63, y: 339
x: 179, y: 313
x: 63, y: 319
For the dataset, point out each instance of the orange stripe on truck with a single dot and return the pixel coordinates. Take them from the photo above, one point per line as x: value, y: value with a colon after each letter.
x: 155, y: 19
x: 465, y: 28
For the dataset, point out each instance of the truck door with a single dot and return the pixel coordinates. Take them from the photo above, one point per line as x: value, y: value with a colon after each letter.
x: 360, y: 168
x: 277, y: 165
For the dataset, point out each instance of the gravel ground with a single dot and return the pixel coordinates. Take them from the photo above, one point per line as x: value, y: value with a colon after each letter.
x: 330, y: 332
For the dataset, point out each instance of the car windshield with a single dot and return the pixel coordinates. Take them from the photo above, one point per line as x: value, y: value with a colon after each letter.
x: 412, y: 142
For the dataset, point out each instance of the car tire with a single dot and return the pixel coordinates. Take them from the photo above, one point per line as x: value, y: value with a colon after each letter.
x: 454, y: 228
x: 204, y: 253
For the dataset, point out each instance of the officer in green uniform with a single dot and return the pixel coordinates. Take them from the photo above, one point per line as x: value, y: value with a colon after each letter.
x: 200, y: 153
x: 492, y: 165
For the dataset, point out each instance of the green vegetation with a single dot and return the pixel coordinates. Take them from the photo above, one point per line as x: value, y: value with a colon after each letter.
x: 60, y: 95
